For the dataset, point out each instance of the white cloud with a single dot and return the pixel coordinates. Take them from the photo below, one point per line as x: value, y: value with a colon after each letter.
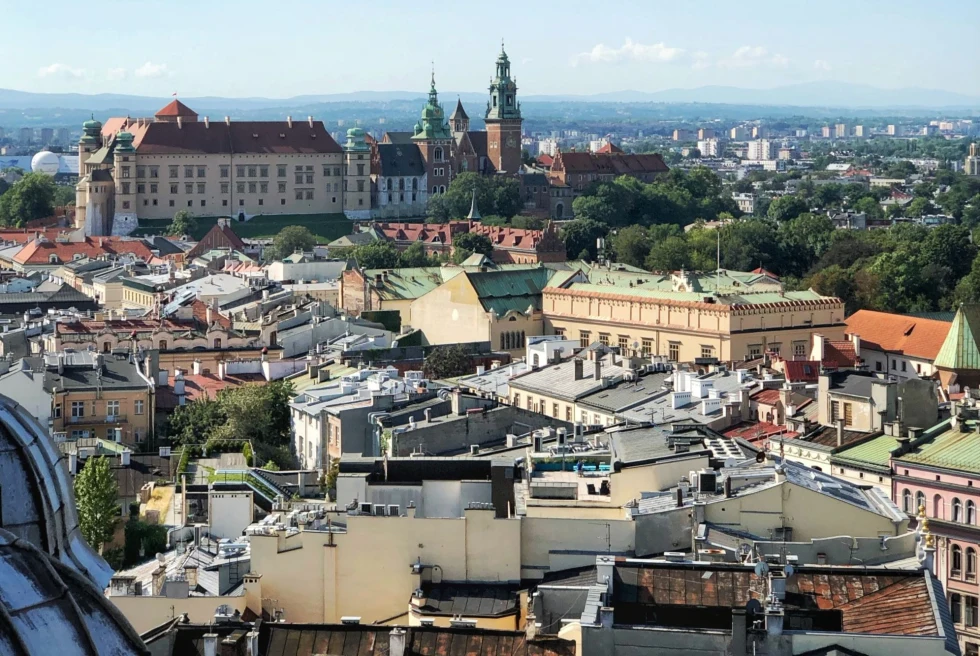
x: 116, y: 73
x: 821, y: 65
x: 701, y: 60
x: 149, y: 69
x: 753, y: 56
x: 629, y: 51
x: 61, y: 70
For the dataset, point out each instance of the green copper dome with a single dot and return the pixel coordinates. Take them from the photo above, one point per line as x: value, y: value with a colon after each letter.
x: 432, y: 124
x: 124, y: 143
x: 356, y: 141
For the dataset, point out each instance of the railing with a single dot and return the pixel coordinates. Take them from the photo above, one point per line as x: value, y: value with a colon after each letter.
x: 96, y: 419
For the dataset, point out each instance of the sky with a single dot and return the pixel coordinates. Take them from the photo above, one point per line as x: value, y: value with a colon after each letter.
x: 297, y: 47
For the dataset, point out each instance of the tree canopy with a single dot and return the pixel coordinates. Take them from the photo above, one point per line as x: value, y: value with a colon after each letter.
x: 446, y: 361
x: 289, y: 240
x: 468, y: 243
x: 96, y: 495
x: 495, y: 195
x: 30, y: 198
x: 183, y: 223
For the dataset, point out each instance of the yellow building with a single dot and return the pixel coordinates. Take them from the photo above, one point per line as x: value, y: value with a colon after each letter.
x: 149, y: 168
x: 730, y: 316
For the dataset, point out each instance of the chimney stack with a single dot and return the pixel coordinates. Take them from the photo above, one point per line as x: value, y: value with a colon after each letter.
x: 840, y: 432
x: 289, y: 121
x: 210, y: 644
x: 309, y: 119
x: 396, y: 642
x: 207, y: 123
x: 157, y: 579
x: 124, y: 457
x: 579, y: 369
x: 190, y: 573
x: 227, y: 120
x: 598, y: 369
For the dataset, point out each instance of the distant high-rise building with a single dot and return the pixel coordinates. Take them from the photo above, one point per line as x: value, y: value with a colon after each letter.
x: 711, y: 147
x: 972, y: 164
x: 682, y: 135
x: 62, y: 136
x: 758, y: 132
x: 859, y: 132
x: 841, y: 131
x: 760, y: 149
x: 892, y: 130
x: 738, y: 133
x: 929, y: 130
x: 826, y: 132
x: 706, y: 133
x: 26, y: 135
x: 47, y: 136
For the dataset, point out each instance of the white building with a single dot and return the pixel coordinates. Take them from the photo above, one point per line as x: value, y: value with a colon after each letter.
x: 760, y: 149
x: 711, y: 147
x: 548, y: 147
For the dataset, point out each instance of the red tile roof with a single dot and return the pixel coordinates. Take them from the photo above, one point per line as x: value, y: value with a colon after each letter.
x: 765, y: 272
x: 200, y: 310
x: 758, y: 431
x: 218, y: 137
x: 429, y: 233
x: 546, y: 160
x: 197, y: 386
x: 840, y: 354
x: 23, y: 236
x: 883, y: 331
x: 507, y: 237
x: 609, y: 147
x: 801, y: 371
x: 610, y: 163
x: 219, y: 236
x: 40, y: 252
x: 766, y: 396
x: 176, y: 108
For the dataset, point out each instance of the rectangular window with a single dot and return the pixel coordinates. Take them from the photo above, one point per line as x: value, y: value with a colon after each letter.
x: 282, y: 187
x: 707, y: 351
x: 264, y: 187
x: 224, y: 171
x: 904, y: 365
x: 848, y: 414
x: 309, y: 167
x: 153, y: 187
x: 674, y: 351
x: 140, y: 171
x: 281, y: 171
x: 204, y: 202
x: 154, y: 171
x: 799, y: 349
x: 326, y: 170
x: 172, y: 171
x: 554, y: 410
x: 239, y: 171
x: 834, y: 411
x: 646, y: 347
x: 604, y: 339
x: 172, y: 202
x: 78, y: 408
x: 584, y: 338
x: 755, y: 351
x: 360, y: 185
x: 224, y: 202
x: 261, y: 201
x: 251, y: 171
x: 568, y: 413
x: 200, y: 187
x: 240, y: 187
x: 202, y: 171
x: 125, y: 204
x: 252, y: 187
x: 517, y: 400
x: 894, y: 364
x: 188, y: 187
x: 336, y: 171
x: 188, y: 171
x: 125, y: 171
x: 173, y: 189
x: 878, y: 365
x: 309, y: 178
x: 969, y: 611
x: 624, y: 344
x: 299, y: 194
x: 560, y: 332
x: 264, y: 171
x: 956, y: 608
x: 298, y: 178
x: 112, y: 408
x: 775, y: 348
x: 141, y: 188
x: 309, y: 194
x: 224, y: 187
x: 125, y: 187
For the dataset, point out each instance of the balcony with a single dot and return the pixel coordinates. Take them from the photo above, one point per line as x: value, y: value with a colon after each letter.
x: 96, y: 420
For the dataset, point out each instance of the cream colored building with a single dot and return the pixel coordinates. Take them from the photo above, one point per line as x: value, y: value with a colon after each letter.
x: 137, y: 168
x: 730, y: 315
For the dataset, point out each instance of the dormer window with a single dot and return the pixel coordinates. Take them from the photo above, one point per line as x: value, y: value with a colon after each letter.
x: 53, y: 259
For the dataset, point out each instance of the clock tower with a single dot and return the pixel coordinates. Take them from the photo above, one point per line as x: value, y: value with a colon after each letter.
x: 503, y: 119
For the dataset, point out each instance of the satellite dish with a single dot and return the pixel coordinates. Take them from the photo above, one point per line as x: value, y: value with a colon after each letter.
x: 753, y: 607
x: 760, y: 456
x: 789, y: 570
x: 761, y: 568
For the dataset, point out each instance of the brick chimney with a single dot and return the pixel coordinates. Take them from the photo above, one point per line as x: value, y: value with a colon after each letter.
x: 158, y: 578
x: 579, y: 368
x: 840, y: 432
x: 190, y: 573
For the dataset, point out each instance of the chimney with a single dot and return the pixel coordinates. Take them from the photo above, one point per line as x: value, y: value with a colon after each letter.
x: 252, y: 643
x: 207, y: 123
x: 190, y: 573
x: 229, y: 646
x: 227, y: 120
x: 197, y: 363
x: 180, y: 122
x: 817, y: 348
x: 856, y: 340
x: 72, y: 463
x: 396, y: 642
x: 579, y: 369
x: 124, y: 456
x: 289, y: 121
x: 680, y: 497
x: 210, y: 639
x: 840, y: 432
x: 157, y: 579
x: 208, y: 318
x: 531, y: 627
x: 309, y: 119
x: 598, y: 369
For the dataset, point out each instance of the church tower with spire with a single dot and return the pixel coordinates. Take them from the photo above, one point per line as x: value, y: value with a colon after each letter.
x: 435, y: 142
x: 503, y: 119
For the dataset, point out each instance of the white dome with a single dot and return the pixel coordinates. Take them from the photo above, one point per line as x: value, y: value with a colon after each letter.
x: 45, y: 162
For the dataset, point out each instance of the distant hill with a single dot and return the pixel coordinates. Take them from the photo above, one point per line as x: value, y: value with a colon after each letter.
x: 808, y: 94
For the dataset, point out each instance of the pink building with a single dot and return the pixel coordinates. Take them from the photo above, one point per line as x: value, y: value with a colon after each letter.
x: 940, y: 469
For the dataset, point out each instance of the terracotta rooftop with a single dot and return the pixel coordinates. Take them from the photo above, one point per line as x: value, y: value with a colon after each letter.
x: 758, y: 431
x: 609, y: 147
x: 801, y: 371
x: 40, y: 252
x: 609, y: 163
x: 176, y: 108
x: 840, y: 354
x: 766, y: 396
x: 219, y: 236
x: 197, y: 386
x: 896, y: 333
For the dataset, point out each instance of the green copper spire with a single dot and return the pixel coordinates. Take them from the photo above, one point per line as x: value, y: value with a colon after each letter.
x: 433, y: 123
x: 960, y: 350
x: 503, y: 91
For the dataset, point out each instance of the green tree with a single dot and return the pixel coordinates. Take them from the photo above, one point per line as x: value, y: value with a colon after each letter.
x: 468, y: 243
x: 183, y: 223
x: 631, y: 245
x: 968, y: 289
x: 195, y: 422
x: 670, y: 254
x: 96, y: 495
x: 290, y: 240
x: 64, y: 195
x: 580, y: 236
x: 377, y: 255
x: 446, y: 361
x: 787, y: 207
x: 415, y: 256
x: 30, y: 198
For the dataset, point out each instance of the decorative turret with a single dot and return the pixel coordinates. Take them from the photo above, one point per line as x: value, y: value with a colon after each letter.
x: 356, y: 141
x: 458, y: 119
x: 432, y: 124
x: 124, y: 143
x: 503, y: 91
x: 357, y: 175
x: 91, y: 129
x: 474, y: 214
x: 503, y: 119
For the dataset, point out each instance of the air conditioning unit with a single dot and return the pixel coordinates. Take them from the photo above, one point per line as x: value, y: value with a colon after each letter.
x: 379, y: 510
x: 366, y: 508
x: 164, y: 451
x: 394, y: 511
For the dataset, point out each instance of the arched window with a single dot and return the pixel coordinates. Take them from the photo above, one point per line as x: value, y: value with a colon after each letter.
x: 937, y: 507
x: 217, y: 343
x: 971, y: 564
x: 956, y: 561
x: 163, y: 345
x: 442, y: 189
x: 401, y: 184
x: 435, y: 190
x: 415, y: 184
x: 559, y: 210
x: 920, y: 501
x: 907, y: 502
x: 522, y: 339
x: 106, y: 347
x: 957, y: 510
x: 437, y: 154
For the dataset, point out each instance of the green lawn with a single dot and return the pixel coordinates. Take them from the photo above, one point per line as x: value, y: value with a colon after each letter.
x: 326, y: 227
